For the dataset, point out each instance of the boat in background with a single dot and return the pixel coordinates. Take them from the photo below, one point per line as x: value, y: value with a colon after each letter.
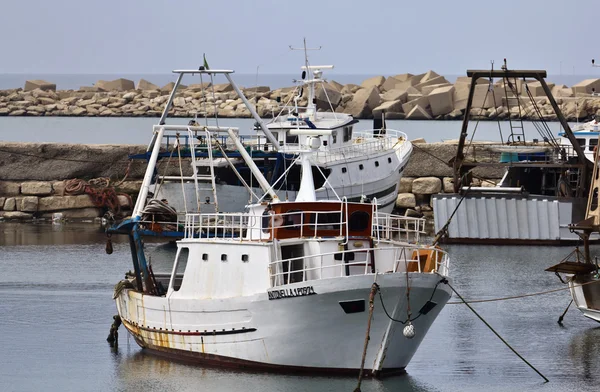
x: 587, y: 137
x: 358, y: 165
x: 286, y: 285
x: 544, y: 184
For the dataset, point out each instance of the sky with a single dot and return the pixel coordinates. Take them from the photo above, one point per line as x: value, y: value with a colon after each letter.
x: 360, y: 37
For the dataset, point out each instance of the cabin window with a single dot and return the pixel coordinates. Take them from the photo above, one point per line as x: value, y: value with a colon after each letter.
x: 324, y: 142
x: 347, y: 133
x: 204, y: 256
x: 292, y: 139
x: 344, y: 170
x: 223, y: 257
x: 325, y: 220
x: 359, y: 221
x: 292, y: 219
x: 361, y: 166
x: 389, y: 160
x: 581, y: 142
x: 334, y: 137
x: 593, y: 144
x: 376, y: 163
x: 245, y: 258
x: 180, y: 265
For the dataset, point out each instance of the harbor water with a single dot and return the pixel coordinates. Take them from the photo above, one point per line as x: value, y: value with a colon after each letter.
x: 56, y: 304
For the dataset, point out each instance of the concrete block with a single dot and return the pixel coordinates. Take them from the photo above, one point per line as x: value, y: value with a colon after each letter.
x: 167, y: 88
x: 427, y: 185
x: 406, y: 200
x: 419, y: 140
x: 37, y: 188
x: 31, y: 85
x: 403, y: 77
x: 448, y: 184
x: 327, y: 97
x: 405, y: 185
x: 461, y: 94
x: 441, y: 100
x: 418, y: 113
x: 587, y: 86
x: 223, y: 88
x: 390, y: 106
x: 536, y: 90
x: 426, y: 90
x: 2, y: 200
x: 143, y: 84
x: 429, y: 82
x: 363, y: 102
x: 335, y: 85
x: 115, y: 85
x: 390, y: 83
x: 376, y: 81
x: 350, y: 88
x: 420, y: 101
x: 428, y: 76
x: 395, y: 95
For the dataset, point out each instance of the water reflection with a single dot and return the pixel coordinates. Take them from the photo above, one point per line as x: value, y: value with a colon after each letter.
x: 584, y: 352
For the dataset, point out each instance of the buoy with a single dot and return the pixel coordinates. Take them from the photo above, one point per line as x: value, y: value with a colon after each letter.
x: 409, y: 331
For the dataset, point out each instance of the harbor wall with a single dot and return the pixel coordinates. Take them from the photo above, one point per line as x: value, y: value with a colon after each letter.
x: 38, y: 180
x: 423, y: 96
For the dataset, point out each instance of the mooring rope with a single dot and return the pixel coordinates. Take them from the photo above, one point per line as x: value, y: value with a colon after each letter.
x: 521, y: 295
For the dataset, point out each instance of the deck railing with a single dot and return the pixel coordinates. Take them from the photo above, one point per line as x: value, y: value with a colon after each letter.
x: 405, y: 258
x: 395, y: 227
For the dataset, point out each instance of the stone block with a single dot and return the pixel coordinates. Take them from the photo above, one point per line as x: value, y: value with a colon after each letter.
x: 448, y: 184
x: 143, y: 84
x: 10, y: 188
x: 561, y: 91
x: 31, y: 85
x: 90, y: 89
x: 2, y: 200
x: 429, y: 75
x: 58, y: 203
x: 37, y: 188
x: 124, y: 201
x: 405, y: 185
x: 376, y: 81
x: 115, y: 85
x: 395, y: 95
x: 391, y: 106
x: 406, y: 200
x: 29, y: 204
x: 587, y: 86
x: 418, y: 113
x: 350, y: 88
x: 58, y: 188
x: 10, y: 204
x: 481, y: 97
x: 427, y: 185
x: 16, y: 215
x: 419, y: 140
x: 363, y: 103
x: 420, y: 101
x: 82, y: 213
x: 441, y: 100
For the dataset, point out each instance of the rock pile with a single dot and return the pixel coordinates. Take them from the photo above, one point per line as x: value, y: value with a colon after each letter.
x: 405, y: 96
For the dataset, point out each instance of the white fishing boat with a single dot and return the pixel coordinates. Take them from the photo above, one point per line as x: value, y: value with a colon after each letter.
x: 357, y: 165
x: 586, y: 135
x: 287, y: 284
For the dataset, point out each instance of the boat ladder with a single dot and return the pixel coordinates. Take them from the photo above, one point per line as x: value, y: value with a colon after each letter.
x: 511, y: 93
x: 200, y: 180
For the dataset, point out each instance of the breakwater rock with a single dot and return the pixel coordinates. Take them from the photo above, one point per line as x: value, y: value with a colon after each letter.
x: 423, y: 96
x: 76, y: 181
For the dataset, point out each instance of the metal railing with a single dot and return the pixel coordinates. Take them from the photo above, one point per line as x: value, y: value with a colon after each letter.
x: 395, y: 227
x: 404, y: 258
x: 363, y: 143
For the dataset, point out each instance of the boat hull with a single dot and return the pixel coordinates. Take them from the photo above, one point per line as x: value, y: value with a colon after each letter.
x: 585, y: 290
x: 297, y: 332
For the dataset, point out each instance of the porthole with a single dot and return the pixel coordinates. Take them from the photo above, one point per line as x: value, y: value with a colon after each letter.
x: 361, y: 166
x: 376, y: 163
x: 245, y: 258
x: 344, y: 170
x: 205, y: 257
x: 223, y: 257
x: 389, y: 160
